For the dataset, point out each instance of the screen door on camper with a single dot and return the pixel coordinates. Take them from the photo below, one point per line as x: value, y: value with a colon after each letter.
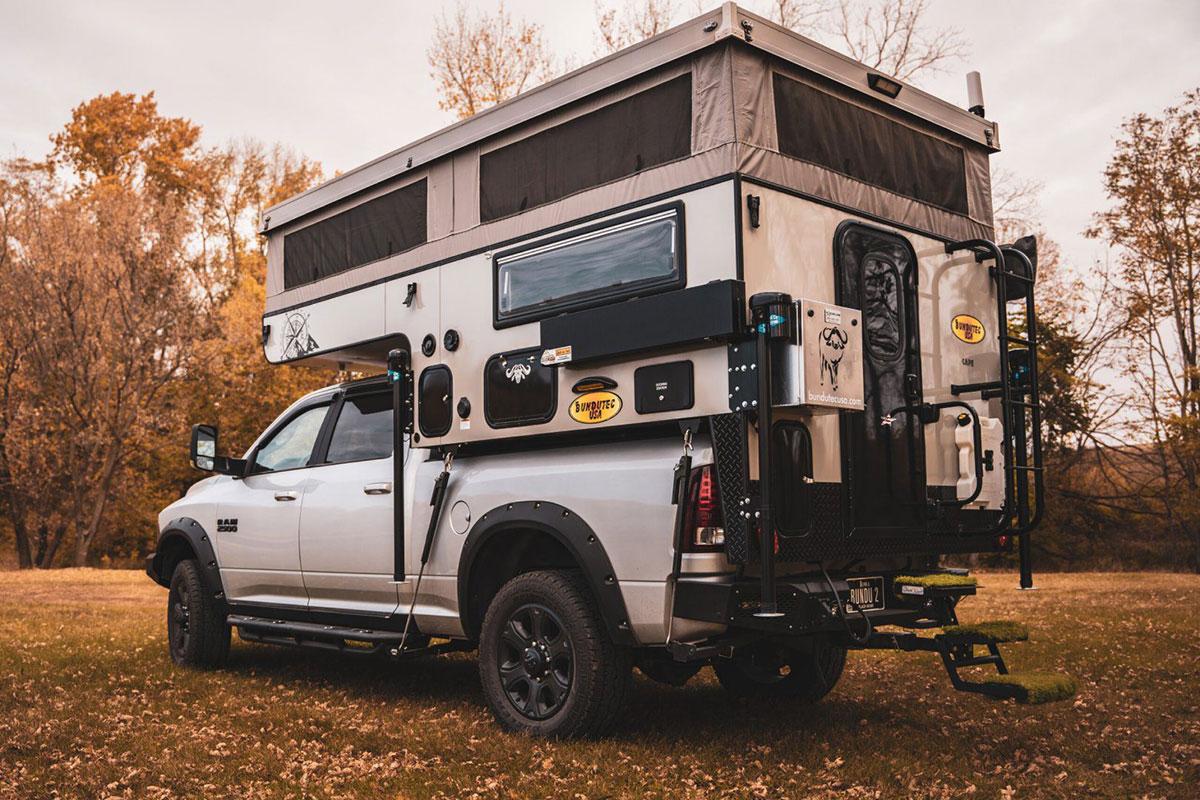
x: 883, y: 447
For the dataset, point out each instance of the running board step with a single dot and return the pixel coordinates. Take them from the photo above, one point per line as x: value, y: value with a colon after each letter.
x: 356, y: 641
x: 313, y: 635
x: 998, y: 631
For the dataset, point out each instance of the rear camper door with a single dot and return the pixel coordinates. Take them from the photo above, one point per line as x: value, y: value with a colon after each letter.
x: 883, y: 447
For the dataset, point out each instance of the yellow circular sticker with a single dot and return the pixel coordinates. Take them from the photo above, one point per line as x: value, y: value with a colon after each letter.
x: 968, y: 329
x: 595, y: 407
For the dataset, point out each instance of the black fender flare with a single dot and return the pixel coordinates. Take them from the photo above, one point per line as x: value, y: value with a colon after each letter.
x: 189, y: 533
x: 569, y: 530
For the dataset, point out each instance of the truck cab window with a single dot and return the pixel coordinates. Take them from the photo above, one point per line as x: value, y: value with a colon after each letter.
x: 363, y: 430
x: 292, y: 445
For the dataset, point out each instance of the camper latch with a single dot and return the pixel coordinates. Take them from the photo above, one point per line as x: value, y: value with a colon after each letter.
x: 753, y: 209
x: 410, y: 294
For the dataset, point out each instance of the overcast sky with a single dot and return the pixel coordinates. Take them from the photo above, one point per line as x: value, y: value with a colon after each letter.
x: 346, y: 81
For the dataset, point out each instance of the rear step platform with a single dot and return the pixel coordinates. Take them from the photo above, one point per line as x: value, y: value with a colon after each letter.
x: 1031, y: 688
x: 999, y: 631
x: 957, y: 647
x: 936, y: 584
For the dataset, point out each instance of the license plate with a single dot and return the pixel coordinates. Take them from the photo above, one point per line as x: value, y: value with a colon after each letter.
x: 866, y: 593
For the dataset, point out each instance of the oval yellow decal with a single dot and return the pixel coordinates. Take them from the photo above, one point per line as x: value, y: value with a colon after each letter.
x: 595, y: 407
x: 967, y: 328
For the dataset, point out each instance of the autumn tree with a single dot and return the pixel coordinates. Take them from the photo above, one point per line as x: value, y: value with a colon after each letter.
x: 478, y: 59
x: 1153, y: 223
x: 893, y: 36
x: 618, y: 27
x: 801, y: 16
x: 131, y: 288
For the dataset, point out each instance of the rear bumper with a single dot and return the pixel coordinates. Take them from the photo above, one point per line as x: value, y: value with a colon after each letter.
x: 808, y: 605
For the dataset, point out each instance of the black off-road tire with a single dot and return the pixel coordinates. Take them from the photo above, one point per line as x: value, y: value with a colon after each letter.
x: 775, y: 672
x: 547, y: 664
x: 197, y: 635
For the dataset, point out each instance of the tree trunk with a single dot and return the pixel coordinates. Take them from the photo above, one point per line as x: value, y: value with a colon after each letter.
x: 9, y: 505
x: 47, y: 561
x: 83, y: 541
x: 21, y: 539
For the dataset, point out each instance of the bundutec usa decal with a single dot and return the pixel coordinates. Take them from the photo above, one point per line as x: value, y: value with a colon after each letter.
x: 968, y: 329
x: 595, y: 407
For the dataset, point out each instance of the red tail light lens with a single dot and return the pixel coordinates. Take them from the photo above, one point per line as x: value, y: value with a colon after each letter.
x: 704, y: 524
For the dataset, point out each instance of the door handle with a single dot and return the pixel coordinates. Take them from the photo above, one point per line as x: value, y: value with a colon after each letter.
x: 283, y: 496
x: 384, y: 487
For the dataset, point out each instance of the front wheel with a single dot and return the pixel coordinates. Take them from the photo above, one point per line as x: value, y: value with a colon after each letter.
x: 546, y: 662
x: 806, y: 673
x: 196, y: 630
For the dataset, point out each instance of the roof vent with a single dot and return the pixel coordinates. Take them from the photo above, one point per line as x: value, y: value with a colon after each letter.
x: 975, y: 94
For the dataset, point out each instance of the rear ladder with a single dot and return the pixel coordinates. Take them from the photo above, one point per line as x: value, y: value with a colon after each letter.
x: 1019, y: 395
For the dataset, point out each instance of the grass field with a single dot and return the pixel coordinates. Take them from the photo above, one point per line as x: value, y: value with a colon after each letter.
x: 91, y: 707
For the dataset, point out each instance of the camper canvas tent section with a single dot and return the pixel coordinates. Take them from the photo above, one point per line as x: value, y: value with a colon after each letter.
x: 617, y: 186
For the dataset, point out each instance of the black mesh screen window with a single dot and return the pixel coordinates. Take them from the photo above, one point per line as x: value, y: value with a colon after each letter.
x: 626, y: 137
x: 815, y: 126
x: 389, y: 224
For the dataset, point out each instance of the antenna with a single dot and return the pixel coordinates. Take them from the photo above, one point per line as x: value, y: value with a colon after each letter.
x: 975, y: 93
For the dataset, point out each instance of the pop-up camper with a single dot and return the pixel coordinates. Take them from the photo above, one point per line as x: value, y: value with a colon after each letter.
x: 710, y: 337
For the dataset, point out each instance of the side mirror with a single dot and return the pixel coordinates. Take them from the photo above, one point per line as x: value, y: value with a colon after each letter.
x: 202, y: 453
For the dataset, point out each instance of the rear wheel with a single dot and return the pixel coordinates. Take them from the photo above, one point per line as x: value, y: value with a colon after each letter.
x: 197, y: 634
x: 546, y: 662
x: 769, y: 670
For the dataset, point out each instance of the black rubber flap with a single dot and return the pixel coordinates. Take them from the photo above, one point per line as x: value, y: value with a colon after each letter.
x: 714, y: 311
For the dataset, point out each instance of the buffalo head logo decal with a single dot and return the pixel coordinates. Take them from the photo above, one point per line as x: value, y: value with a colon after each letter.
x: 833, y: 348
x: 518, y: 372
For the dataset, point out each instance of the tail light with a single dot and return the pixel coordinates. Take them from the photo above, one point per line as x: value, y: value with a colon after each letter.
x: 703, y: 524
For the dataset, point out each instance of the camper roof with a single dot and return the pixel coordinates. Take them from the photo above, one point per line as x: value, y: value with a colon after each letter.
x: 728, y: 94
x: 729, y: 22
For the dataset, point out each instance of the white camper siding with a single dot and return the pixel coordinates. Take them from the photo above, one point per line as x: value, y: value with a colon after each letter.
x: 468, y: 308
x: 792, y: 251
x: 948, y: 287
x: 335, y: 324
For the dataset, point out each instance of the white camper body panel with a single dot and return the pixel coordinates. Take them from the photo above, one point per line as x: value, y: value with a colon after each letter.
x: 792, y: 251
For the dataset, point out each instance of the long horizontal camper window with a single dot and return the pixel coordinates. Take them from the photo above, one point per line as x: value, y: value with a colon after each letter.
x: 598, y: 265
x: 639, y: 132
x: 389, y: 224
x: 841, y: 136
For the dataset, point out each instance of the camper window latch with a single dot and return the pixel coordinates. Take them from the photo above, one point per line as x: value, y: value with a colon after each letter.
x: 410, y: 294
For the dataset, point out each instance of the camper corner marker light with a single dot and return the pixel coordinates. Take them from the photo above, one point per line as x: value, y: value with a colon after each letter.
x: 883, y: 84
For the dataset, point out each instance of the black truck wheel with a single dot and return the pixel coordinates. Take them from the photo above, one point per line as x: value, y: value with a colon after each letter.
x: 772, y: 671
x: 196, y: 630
x: 546, y: 662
